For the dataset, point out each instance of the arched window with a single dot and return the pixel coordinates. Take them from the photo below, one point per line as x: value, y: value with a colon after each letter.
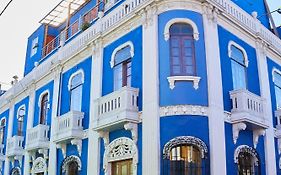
x: 44, y: 108
x: 247, y: 160
x: 16, y: 171
x: 121, y: 61
x: 71, y: 165
x: 277, y: 87
x: 182, y: 52
x: 75, y: 88
x: 239, y: 63
x: 2, y: 130
x: 184, y: 156
x: 20, y: 117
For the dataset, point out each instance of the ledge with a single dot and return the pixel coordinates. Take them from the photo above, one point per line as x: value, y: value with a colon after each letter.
x: 194, y: 79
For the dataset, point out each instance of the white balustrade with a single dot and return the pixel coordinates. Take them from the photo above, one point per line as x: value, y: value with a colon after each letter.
x: 37, y: 137
x: 116, y: 108
x: 69, y: 126
x: 247, y: 107
x: 15, y: 146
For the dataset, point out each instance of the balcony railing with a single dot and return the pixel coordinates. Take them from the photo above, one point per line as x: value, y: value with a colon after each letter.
x: 113, y: 110
x: 69, y: 126
x: 15, y: 146
x: 37, y: 137
x: 247, y: 107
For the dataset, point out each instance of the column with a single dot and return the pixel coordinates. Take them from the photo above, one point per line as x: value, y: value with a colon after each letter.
x: 30, y: 119
x: 215, y: 93
x: 96, y: 92
x: 52, y: 168
x: 150, y: 108
x: 270, y: 159
x: 9, y: 134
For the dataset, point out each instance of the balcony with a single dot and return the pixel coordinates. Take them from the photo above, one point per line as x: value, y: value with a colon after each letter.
x: 247, y: 112
x: 116, y: 109
x: 69, y: 129
x: 37, y: 138
x: 15, y: 149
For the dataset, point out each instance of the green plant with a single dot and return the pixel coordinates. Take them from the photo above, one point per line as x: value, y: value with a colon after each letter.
x: 85, y: 25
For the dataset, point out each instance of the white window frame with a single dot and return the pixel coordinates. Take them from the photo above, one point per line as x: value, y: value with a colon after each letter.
x: 132, y: 51
x: 232, y: 43
x: 34, y: 46
x: 40, y: 101
x: 82, y: 82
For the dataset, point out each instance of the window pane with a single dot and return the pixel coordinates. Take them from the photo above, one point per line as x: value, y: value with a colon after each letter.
x: 237, y: 55
x: 123, y: 55
x: 187, y: 51
x: 188, y: 61
x: 278, y: 96
x: 187, y: 43
x: 238, y: 75
x: 76, y: 80
x: 277, y: 79
x: 175, y: 60
x: 175, y: 42
x: 175, y: 52
x: 189, y: 70
x: 117, y: 77
x: 176, y: 70
x: 76, y: 99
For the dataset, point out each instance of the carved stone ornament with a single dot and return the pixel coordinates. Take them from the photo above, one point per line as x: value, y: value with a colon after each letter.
x: 16, y: 171
x: 236, y: 128
x: 122, y: 148
x: 247, y: 149
x: 182, y: 140
x: 183, y: 110
x: 69, y: 159
x: 39, y: 166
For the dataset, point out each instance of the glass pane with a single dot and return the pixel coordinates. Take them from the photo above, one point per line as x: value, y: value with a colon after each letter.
x: 175, y: 52
x: 238, y: 75
x: 187, y: 51
x: 117, y: 77
x: 277, y: 79
x: 237, y: 55
x: 76, y: 80
x: 123, y: 55
x: 188, y: 61
x: 76, y: 99
x: 278, y: 96
x: 124, y: 169
x: 189, y: 70
x: 175, y: 42
x: 187, y: 43
x: 176, y: 70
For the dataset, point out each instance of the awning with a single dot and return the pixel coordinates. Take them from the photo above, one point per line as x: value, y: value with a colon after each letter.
x: 59, y: 14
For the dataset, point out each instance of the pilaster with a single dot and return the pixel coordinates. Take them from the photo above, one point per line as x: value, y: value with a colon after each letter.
x: 261, y: 49
x: 150, y: 108
x: 96, y: 92
x: 215, y: 98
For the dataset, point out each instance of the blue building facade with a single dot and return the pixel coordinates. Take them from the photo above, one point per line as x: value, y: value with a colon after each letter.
x: 145, y: 87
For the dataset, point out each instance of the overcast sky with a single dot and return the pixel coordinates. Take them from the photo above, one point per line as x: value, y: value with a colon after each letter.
x: 21, y: 19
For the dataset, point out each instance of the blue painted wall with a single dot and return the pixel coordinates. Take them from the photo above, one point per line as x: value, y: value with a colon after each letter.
x: 245, y: 138
x: 175, y: 126
x: 72, y: 150
x: 252, y: 71
x: 30, y: 60
x: 254, y: 5
x: 183, y: 93
x: 5, y: 115
x: 37, y: 109
x: 65, y: 95
x: 135, y: 37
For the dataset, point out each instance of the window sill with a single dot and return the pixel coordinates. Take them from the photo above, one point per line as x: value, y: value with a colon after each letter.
x: 194, y: 79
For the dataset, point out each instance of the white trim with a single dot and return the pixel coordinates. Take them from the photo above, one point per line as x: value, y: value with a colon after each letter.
x: 132, y: 51
x: 115, y: 152
x: 14, y: 169
x: 183, y: 110
x: 41, y: 96
x: 181, y: 20
x: 3, y: 118
x: 73, y: 75
x: 69, y: 159
x: 39, y: 165
x: 194, y: 79
x: 23, y: 105
x: 275, y: 70
x: 232, y: 43
x: 248, y: 149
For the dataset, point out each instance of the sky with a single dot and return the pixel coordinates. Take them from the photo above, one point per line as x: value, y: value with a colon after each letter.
x: 21, y: 19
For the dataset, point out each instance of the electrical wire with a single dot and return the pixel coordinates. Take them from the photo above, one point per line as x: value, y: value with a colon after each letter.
x: 6, y: 7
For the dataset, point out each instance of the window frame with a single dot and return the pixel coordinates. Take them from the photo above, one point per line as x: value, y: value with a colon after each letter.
x: 40, y: 101
x: 21, y: 123
x: 2, y: 129
x: 70, y: 88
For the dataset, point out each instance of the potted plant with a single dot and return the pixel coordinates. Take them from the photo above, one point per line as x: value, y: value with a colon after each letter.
x: 85, y: 25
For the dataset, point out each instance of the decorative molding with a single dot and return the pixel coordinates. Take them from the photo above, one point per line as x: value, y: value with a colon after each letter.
x: 181, y: 20
x: 182, y: 140
x: 190, y: 5
x: 16, y: 171
x: 69, y: 159
x: 256, y: 134
x: 21, y: 106
x: 73, y: 75
x: 247, y: 149
x: 105, y: 136
x: 148, y: 15
x: 133, y: 127
x: 194, y: 79
x: 132, y: 52
x: 232, y: 43
x: 47, y: 91
x: 62, y: 146
x: 236, y: 128
x: 120, y: 149
x: 210, y: 12
x: 78, y: 143
x: 39, y: 165
x: 183, y: 110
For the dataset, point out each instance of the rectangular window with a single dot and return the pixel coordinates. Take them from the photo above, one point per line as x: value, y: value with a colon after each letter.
x: 122, y: 167
x: 238, y: 75
x: 34, y: 46
x: 76, y: 98
x: 277, y: 87
x: 122, y: 74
